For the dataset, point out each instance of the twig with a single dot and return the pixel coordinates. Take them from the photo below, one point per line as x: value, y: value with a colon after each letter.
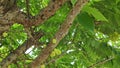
x: 101, y: 62
x: 28, y: 8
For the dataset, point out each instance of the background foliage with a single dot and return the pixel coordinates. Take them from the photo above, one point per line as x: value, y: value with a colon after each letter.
x: 93, y: 38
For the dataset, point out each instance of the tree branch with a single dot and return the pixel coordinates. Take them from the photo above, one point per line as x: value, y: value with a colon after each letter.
x: 59, y: 35
x: 101, y: 62
x: 6, y: 5
x: 28, y: 8
x: 16, y: 16
x: 6, y: 20
x: 43, y: 16
x: 20, y: 50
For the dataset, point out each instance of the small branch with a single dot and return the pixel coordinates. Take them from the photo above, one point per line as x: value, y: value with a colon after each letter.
x: 101, y: 62
x: 28, y: 8
x: 98, y: 23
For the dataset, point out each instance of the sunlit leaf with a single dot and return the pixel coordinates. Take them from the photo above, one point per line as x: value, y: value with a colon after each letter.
x: 95, y: 13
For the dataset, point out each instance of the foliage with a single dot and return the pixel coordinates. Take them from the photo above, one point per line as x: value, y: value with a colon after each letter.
x: 93, y: 37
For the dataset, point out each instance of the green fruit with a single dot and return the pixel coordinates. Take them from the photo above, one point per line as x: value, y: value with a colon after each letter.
x: 57, y: 51
x: 42, y: 66
x: 52, y: 54
x: 5, y: 34
x: 54, y: 41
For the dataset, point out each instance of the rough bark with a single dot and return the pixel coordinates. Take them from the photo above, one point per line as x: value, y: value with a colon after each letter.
x: 20, y: 50
x: 8, y: 10
x: 6, y: 5
x: 12, y: 16
x: 59, y: 35
x: 43, y: 16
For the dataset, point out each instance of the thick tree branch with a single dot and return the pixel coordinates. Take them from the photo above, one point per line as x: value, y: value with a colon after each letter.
x: 6, y: 5
x: 16, y: 16
x: 7, y: 12
x: 59, y: 35
x: 6, y: 20
x: 43, y: 16
x: 20, y: 50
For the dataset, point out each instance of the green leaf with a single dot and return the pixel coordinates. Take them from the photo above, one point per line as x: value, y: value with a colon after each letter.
x: 86, y: 21
x: 73, y: 2
x: 95, y: 13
